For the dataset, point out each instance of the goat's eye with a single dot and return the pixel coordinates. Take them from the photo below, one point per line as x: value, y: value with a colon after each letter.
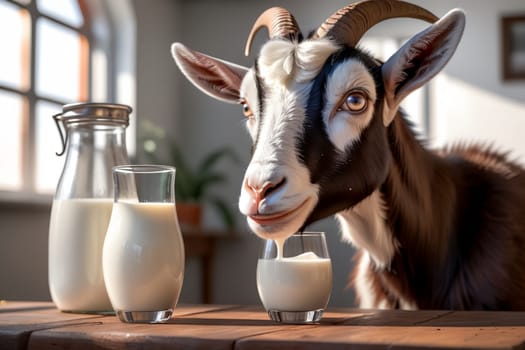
x: 246, y: 110
x: 355, y: 101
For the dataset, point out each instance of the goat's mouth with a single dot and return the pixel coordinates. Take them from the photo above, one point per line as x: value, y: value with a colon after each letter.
x: 267, y: 224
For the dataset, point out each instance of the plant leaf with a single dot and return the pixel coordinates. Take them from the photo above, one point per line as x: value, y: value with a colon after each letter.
x: 212, y: 158
x: 224, y: 211
x: 191, y: 184
x: 184, y: 177
x: 205, y: 180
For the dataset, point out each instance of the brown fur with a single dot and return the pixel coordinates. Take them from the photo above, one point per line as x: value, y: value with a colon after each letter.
x: 459, y: 217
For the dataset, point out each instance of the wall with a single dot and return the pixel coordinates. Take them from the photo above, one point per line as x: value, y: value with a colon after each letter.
x: 471, y: 101
x: 158, y: 25
x: 23, y: 251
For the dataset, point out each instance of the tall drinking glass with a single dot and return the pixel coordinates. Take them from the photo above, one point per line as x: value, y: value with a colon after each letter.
x: 143, y: 254
x: 295, y: 285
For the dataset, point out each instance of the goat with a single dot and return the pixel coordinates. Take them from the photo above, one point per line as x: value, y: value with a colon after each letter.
x: 434, y: 230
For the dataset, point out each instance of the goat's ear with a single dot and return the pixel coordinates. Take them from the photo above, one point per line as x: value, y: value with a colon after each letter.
x: 420, y: 59
x: 217, y: 78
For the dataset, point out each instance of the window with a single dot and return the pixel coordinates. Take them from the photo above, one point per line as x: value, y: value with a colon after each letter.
x: 54, y: 52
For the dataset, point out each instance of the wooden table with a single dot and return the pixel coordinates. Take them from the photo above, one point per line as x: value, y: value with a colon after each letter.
x: 39, y: 325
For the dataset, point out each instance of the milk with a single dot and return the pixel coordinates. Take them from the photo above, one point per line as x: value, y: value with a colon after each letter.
x: 300, y: 283
x: 143, y: 257
x: 76, y: 236
x: 280, y: 246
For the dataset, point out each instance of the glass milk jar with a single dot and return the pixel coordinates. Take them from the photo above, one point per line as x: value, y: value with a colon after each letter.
x: 94, y: 141
x: 143, y: 255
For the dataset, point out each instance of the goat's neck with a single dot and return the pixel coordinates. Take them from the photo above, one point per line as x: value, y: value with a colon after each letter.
x: 409, y: 206
x: 418, y: 191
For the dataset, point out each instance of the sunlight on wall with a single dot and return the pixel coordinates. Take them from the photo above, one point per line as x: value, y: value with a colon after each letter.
x: 414, y: 104
x: 126, y: 87
x: 462, y: 112
x: 100, y: 76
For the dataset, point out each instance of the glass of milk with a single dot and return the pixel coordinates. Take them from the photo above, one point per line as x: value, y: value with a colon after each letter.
x: 294, y: 278
x: 143, y: 254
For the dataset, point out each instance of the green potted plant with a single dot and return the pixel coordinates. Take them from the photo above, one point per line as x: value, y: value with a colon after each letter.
x: 192, y: 184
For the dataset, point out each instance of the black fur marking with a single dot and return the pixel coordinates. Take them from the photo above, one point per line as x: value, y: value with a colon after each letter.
x: 340, y: 176
x: 260, y: 97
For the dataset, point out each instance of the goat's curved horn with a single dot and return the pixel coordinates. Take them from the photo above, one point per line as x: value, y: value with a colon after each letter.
x: 350, y: 23
x: 278, y: 21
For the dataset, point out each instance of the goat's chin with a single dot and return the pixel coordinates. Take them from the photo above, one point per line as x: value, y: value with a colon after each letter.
x: 280, y: 226
x: 273, y: 231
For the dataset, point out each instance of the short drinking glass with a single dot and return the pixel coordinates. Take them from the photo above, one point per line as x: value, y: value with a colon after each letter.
x: 143, y: 254
x: 295, y: 287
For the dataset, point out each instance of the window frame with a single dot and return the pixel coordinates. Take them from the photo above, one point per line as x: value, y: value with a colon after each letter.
x: 91, y: 10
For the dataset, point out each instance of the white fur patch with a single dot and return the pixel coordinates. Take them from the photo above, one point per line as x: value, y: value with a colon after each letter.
x: 282, y: 60
x: 275, y: 158
x: 363, y: 286
x: 287, y: 69
x: 365, y: 290
x: 249, y: 93
x: 407, y: 305
x: 364, y: 226
x: 344, y: 128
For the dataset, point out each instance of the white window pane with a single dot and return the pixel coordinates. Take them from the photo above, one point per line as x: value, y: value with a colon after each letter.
x: 66, y: 11
x: 14, y: 25
x: 11, y: 118
x: 48, y: 164
x: 58, y: 61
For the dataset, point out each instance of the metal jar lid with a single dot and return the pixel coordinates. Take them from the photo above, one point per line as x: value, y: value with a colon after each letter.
x: 94, y: 112
x: 90, y: 113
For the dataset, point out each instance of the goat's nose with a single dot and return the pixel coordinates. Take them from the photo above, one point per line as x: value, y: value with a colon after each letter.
x: 259, y: 192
